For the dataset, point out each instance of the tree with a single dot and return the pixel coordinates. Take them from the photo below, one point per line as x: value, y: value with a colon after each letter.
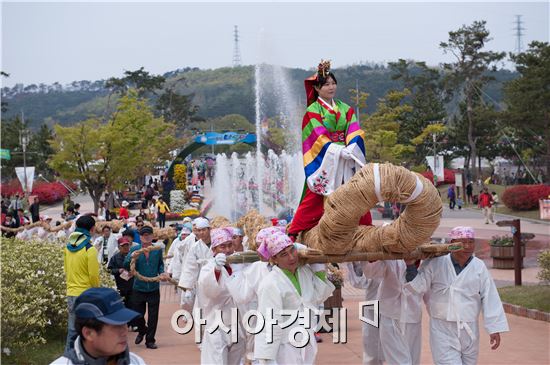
x: 528, y: 100
x: 3, y: 104
x: 176, y: 108
x: 468, y: 74
x: 104, y: 156
x: 382, y: 128
x: 426, y: 101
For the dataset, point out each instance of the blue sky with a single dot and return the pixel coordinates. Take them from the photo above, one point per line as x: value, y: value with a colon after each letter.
x: 67, y: 41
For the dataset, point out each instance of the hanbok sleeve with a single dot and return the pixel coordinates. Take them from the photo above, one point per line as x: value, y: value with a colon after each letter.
x: 190, y: 272
x: 494, y: 318
x: 356, y: 280
x: 209, y: 284
x: 423, y: 280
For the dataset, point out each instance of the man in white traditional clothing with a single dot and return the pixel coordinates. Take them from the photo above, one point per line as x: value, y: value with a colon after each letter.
x: 177, y: 251
x: 106, y: 245
x: 197, y: 256
x: 400, y: 313
x: 458, y: 287
x: 289, y: 288
x: 244, y: 288
x: 372, y: 348
x: 218, y: 347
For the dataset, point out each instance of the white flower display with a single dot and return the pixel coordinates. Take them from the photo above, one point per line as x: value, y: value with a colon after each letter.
x: 177, y: 201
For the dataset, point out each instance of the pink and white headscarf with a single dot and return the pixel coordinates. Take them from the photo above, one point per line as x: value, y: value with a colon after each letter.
x: 220, y: 236
x: 261, y: 239
x: 462, y: 232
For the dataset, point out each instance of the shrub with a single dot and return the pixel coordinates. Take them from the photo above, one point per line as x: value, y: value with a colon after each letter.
x: 524, y: 197
x: 506, y: 240
x: 544, y: 263
x: 47, y: 192
x: 33, y: 292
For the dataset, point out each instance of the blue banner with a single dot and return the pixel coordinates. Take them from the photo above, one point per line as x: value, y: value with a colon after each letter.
x: 213, y: 138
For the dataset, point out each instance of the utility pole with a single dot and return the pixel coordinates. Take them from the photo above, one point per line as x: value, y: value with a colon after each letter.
x: 357, y: 98
x: 236, y: 49
x: 519, y: 28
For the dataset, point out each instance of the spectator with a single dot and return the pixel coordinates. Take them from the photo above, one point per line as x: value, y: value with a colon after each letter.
x: 123, y: 212
x: 123, y: 278
x: 77, y: 209
x: 34, y: 209
x: 470, y: 193
x: 100, y: 322
x: 485, y: 203
x: 105, y: 245
x: 496, y: 201
x: 451, y: 196
x: 81, y: 269
x: 146, y: 295
x: 162, y: 209
x: 9, y: 222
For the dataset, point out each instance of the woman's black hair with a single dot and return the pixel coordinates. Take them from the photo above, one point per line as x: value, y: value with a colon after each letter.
x: 80, y: 323
x: 321, y: 80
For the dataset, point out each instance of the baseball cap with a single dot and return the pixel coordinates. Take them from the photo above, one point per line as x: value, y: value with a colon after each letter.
x: 146, y: 229
x: 123, y: 240
x: 105, y: 305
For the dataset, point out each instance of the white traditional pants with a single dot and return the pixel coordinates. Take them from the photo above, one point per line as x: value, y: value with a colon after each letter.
x: 449, y: 346
x: 401, y: 342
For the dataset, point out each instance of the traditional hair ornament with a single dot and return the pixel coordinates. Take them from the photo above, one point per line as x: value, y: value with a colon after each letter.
x: 324, y: 68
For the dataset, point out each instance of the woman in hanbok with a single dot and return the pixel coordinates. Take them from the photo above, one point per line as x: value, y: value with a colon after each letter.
x: 332, y: 143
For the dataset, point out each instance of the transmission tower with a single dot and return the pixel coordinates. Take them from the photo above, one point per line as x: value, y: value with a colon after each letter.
x: 518, y: 29
x: 236, y: 50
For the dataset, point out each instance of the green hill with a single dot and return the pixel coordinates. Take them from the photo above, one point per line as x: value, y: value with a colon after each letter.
x: 217, y: 92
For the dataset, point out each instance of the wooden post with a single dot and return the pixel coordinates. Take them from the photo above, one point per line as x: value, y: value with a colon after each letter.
x: 518, y: 259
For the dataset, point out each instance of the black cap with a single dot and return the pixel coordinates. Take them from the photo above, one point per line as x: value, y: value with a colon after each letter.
x: 86, y: 222
x: 146, y: 229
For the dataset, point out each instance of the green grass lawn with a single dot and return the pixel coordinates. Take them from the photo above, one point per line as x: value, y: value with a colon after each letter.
x: 532, y: 297
x: 39, y: 354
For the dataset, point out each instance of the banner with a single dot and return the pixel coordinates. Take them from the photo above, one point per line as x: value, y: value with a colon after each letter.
x: 213, y: 138
x: 438, y: 168
x: 20, y: 171
x: 5, y: 154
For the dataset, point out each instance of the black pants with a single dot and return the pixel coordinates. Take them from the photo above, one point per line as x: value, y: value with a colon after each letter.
x: 162, y: 220
x: 452, y: 203
x: 152, y: 300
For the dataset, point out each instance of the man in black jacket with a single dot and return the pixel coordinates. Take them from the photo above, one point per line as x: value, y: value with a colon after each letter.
x: 124, y: 280
x: 34, y: 209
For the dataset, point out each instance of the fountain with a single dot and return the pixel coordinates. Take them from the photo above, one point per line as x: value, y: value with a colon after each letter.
x: 269, y: 183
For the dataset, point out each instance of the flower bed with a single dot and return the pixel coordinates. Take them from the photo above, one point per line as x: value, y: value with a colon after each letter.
x: 525, y: 197
x: 47, y: 192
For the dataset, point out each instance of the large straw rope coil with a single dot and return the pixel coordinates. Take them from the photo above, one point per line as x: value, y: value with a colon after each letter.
x: 338, y: 232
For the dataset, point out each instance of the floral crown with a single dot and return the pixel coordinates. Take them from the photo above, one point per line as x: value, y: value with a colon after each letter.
x: 324, y: 68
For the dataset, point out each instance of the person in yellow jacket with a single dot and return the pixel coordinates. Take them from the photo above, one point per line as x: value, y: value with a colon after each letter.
x: 162, y: 209
x: 81, y: 269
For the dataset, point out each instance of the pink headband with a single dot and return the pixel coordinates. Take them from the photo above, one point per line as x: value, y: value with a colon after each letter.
x: 220, y: 236
x: 261, y: 238
x: 462, y: 232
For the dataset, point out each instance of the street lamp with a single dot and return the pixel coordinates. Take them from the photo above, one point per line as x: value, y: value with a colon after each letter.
x: 24, y: 139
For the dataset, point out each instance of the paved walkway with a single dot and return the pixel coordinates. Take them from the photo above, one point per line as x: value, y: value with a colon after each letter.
x: 526, y: 343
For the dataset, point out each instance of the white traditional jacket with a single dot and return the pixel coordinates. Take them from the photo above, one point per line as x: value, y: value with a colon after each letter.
x: 278, y: 293
x: 460, y: 298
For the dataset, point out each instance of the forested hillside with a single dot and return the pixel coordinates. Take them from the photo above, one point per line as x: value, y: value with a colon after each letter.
x: 216, y: 92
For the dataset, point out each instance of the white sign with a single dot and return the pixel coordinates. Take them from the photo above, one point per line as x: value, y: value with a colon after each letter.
x: 29, y: 178
x: 438, y: 168
x: 458, y: 179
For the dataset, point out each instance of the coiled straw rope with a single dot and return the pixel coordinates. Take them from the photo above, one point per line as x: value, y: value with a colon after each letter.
x: 148, y: 279
x: 338, y: 231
